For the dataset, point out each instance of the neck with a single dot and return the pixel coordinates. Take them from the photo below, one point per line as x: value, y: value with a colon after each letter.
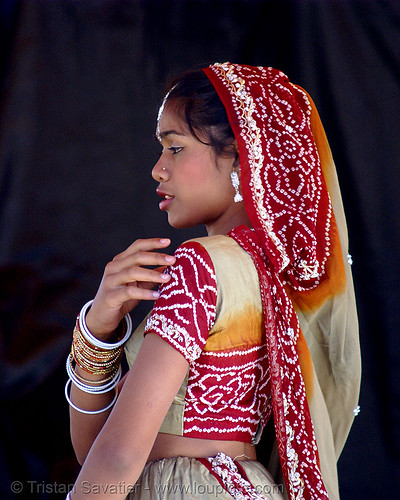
x: 229, y: 220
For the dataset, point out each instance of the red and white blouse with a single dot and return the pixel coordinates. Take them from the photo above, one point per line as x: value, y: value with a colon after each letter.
x: 211, y: 312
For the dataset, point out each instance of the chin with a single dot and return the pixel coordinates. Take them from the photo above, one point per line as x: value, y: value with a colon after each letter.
x: 182, y: 223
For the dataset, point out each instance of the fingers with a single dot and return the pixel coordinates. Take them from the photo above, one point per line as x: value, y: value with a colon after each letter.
x: 140, y: 258
x: 127, y: 279
x: 129, y: 266
x: 132, y: 265
x: 135, y: 275
x: 144, y: 245
x: 119, y: 301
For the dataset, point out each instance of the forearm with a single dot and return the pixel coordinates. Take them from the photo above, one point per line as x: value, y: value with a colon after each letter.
x: 84, y: 427
x: 94, y: 372
x: 110, y: 465
x: 119, y: 453
x: 106, y: 474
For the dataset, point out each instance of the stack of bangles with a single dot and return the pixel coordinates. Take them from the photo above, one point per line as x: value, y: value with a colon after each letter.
x: 97, y: 358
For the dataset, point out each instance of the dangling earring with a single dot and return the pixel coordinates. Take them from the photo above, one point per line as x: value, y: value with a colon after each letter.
x: 235, y: 183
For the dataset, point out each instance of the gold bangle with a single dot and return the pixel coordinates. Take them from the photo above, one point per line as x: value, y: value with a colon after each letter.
x: 92, y: 382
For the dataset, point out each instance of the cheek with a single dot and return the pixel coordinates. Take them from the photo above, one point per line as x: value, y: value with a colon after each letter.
x: 204, y: 180
x: 197, y: 178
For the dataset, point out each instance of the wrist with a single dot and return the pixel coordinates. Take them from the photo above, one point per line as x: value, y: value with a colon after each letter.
x: 105, y: 333
x: 123, y: 331
x: 94, y: 366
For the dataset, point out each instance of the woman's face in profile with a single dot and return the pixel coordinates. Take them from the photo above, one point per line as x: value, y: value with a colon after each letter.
x: 194, y: 184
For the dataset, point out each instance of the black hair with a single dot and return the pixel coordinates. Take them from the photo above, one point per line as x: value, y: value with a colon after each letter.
x: 196, y: 100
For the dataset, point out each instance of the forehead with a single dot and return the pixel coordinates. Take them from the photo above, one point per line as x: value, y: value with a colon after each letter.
x: 170, y: 121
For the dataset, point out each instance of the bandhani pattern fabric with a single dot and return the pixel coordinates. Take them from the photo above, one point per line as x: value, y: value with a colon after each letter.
x: 232, y: 477
x: 290, y: 209
x: 226, y: 394
x: 284, y: 188
x: 185, y: 311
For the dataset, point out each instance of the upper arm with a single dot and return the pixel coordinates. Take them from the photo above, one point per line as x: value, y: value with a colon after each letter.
x: 148, y: 392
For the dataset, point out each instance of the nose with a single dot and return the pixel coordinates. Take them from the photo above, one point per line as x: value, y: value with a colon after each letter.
x: 159, y: 171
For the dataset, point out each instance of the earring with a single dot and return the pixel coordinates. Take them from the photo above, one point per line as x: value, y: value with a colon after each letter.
x: 235, y: 183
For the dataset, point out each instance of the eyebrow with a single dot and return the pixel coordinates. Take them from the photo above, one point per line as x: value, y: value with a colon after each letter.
x: 170, y: 132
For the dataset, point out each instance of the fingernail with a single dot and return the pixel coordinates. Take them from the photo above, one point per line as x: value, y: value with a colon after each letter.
x: 169, y: 258
x: 165, y: 276
x: 156, y: 295
x: 164, y: 240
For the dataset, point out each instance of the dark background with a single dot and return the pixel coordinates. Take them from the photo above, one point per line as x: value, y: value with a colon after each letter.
x: 81, y: 82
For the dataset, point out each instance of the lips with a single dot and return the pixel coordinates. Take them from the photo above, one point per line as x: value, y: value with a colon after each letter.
x: 166, y: 201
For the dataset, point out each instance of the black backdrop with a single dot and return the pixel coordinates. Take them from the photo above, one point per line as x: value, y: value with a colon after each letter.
x: 81, y: 82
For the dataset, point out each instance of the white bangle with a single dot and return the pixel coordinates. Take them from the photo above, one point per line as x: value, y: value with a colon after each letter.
x: 92, y: 389
x: 87, y: 412
x: 95, y: 341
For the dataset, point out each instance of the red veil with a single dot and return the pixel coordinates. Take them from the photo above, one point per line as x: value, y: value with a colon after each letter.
x: 298, y: 244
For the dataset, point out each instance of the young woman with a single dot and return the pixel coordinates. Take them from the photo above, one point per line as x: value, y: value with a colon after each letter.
x: 254, y: 323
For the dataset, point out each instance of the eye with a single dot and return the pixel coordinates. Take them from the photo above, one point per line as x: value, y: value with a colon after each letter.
x: 175, y: 149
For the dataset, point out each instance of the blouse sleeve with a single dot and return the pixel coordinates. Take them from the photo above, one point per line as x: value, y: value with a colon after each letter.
x: 185, y: 311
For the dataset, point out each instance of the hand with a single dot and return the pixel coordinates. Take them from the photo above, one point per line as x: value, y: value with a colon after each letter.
x: 125, y: 282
